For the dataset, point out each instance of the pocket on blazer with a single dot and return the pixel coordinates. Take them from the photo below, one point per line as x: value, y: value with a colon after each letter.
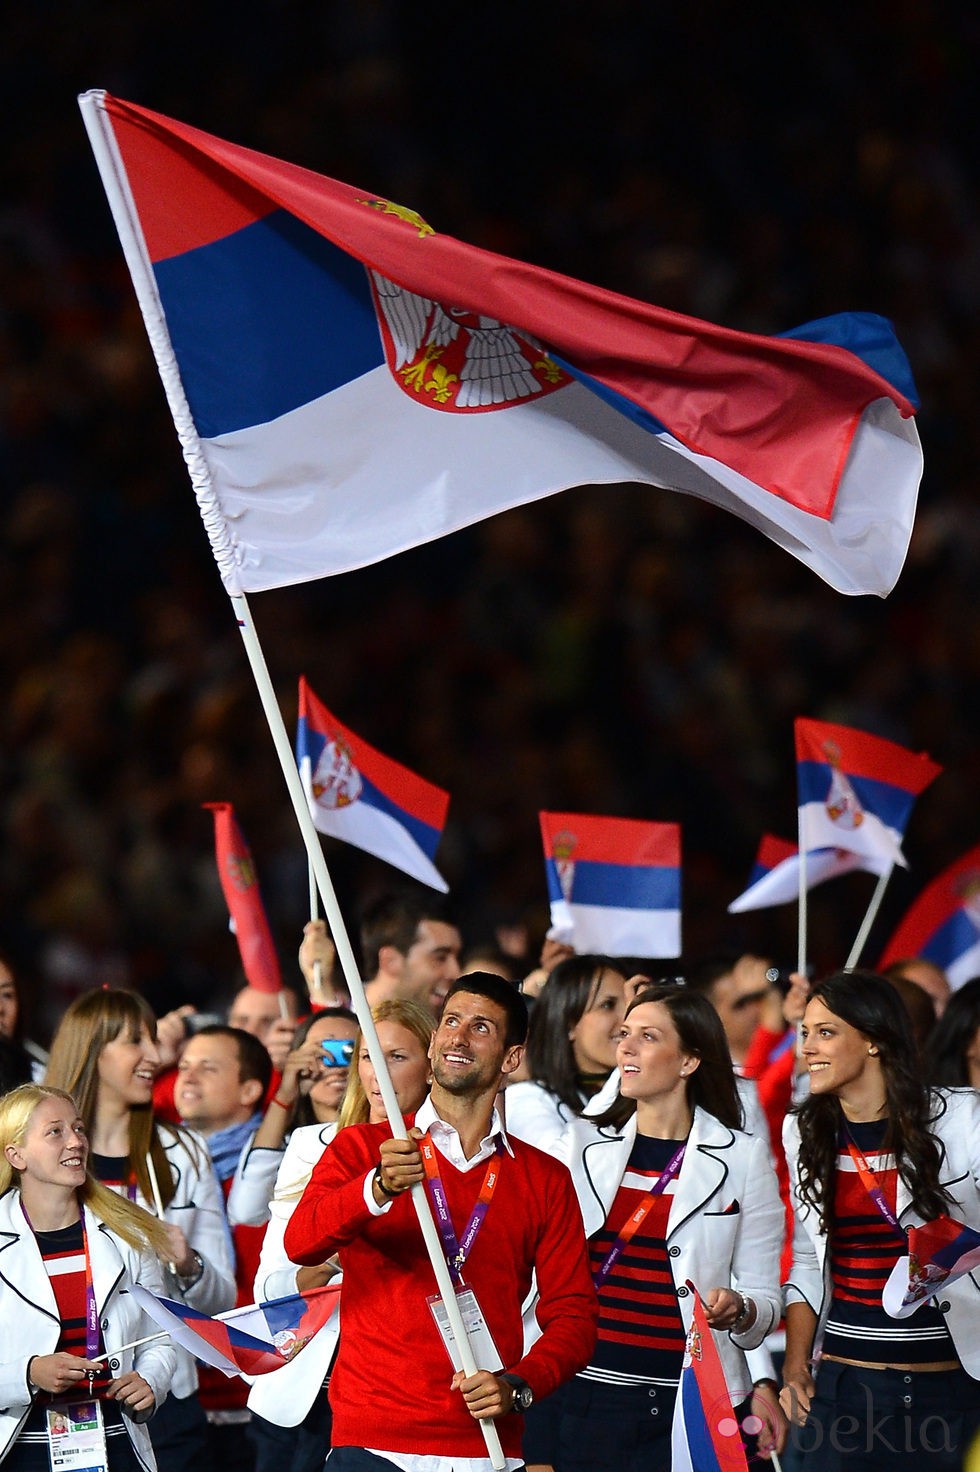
x: 732, y: 1209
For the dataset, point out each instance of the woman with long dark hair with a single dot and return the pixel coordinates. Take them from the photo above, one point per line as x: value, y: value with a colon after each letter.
x: 571, y: 1048
x: 104, y: 1054
x: 673, y: 1194
x: 873, y: 1151
x: 75, y: 1336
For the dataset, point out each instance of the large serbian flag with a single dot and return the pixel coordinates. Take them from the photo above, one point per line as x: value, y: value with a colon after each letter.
x: 614, y: 884
x: 775, y: 877
x: 705, y: 1436
x: 246, y: 913
x: 348, y: 382
x: 363, y: 797
x: 856, y: 791
x: 943, y: 924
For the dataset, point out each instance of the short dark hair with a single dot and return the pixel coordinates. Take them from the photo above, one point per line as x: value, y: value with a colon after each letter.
x: 568, y: 993
x: 488, y: 984
x: 253, y: 1057
x: 393, y: 920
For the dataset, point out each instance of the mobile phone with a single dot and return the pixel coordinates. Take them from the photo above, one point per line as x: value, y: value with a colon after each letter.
x: 337, y: 1053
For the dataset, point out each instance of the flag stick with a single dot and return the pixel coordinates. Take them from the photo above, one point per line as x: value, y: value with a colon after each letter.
x: 306, y: 777
x: 801, y: 918
x: 157, y: 1201
x: 869, y: 919
x: 116, y: 184
x: 355, y: 987
x: 135, y: 1344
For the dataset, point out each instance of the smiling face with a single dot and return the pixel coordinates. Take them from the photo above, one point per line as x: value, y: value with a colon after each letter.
x: 408, y: 1065
x: 127, y: 1067
x: 54, y: 1150
x: 210, y: 1093
x: 840, y: 1060
x: 596, y: 1034
x: 652, y: 1063
x: 468, y: 1052
x: 330, y: 1083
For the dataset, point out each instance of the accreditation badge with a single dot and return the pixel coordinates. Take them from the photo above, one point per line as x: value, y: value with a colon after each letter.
x: 76, y: 1437
x: 485, y: 1352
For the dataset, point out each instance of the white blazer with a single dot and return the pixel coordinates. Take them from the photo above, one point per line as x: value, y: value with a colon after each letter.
x: 198, y: 1208
x: 724, y: 1228
x: 284, y: 1396
x: 957, y: 1126
x: 29, y: 1314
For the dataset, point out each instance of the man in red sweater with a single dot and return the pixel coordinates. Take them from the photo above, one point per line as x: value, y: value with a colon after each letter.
x: 508, y: 1211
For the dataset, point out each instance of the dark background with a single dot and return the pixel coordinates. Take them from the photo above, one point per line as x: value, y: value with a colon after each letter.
x: 609, y: 651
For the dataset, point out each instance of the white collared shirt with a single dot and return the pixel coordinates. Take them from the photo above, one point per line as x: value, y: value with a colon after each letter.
x: 446, y: 1139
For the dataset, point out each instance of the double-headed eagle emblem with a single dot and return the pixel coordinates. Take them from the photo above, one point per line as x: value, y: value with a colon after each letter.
x: 457, y: 360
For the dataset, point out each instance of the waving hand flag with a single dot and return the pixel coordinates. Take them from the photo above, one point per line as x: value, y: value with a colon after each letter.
x: 346, y: 382
x: 251, y: 1340
x: 241, y: 890
x: 943, y: 924
x: 775, y: 877
x: 856, y: 791
x: 614, y: 884
x: 367, y: 799
x: 705, y: 1434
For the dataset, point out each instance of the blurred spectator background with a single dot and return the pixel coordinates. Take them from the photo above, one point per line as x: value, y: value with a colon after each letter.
x: 610, y: 651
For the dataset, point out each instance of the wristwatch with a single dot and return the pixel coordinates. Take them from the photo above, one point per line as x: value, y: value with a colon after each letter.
x: 523, y: 1394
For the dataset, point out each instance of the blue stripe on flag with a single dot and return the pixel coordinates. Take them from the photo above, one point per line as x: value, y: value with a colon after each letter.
x: 870, y: 338
x: 891, y: 804
x: 625, y: 886
x: 950, y: 940
x: 424, y: 834
x: 701, y: 1447
x: 264, y: 320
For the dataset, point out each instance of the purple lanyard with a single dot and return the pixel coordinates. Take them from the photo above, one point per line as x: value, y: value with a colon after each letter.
x: 870, y: 1183
x: 92, y: 1344
x: 635, y: 1221
x: 457, y: 1251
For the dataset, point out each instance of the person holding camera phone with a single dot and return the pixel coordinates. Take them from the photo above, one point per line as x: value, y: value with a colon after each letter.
x: 311, y: 1091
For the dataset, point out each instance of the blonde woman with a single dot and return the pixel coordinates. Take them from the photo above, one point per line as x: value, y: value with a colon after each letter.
x: 104, y: 1054
x: 291, y: 1418
x: 69, y: 1251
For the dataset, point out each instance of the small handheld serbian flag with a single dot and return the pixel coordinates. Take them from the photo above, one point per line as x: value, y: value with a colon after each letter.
x: 939, y: 1252
x: 252, y: 1340
x: 364, y: 798
x: 705, y: 1436
x: 247, y: 917
x: 775, y: 877
x: 856, y: 791
x: 217, y: 1343
x: 943, y: 924
x: 614, y: 884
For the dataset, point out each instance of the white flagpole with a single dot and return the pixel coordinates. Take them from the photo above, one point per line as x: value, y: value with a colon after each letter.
x: 126, y: 218
x: 307, y: 780
x: 869, y: 919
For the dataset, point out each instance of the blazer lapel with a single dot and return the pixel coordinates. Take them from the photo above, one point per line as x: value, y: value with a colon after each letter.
x: 703, y: 1171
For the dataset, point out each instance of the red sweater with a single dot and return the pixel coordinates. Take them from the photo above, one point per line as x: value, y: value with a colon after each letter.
x: 390, y: 1387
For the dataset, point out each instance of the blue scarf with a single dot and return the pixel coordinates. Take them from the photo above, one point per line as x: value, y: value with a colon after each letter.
x: 226, y: 1146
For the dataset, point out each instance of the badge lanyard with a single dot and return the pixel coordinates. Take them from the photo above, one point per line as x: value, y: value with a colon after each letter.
x: 635, y: 1221
x: 870, y: 1183
x: 92, y: 1345
x: 457, y: 1250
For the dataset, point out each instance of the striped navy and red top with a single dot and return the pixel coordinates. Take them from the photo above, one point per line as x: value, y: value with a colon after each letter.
x: 63, y: 1252
x: 641, y: 1335
x: 864, y: 1248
